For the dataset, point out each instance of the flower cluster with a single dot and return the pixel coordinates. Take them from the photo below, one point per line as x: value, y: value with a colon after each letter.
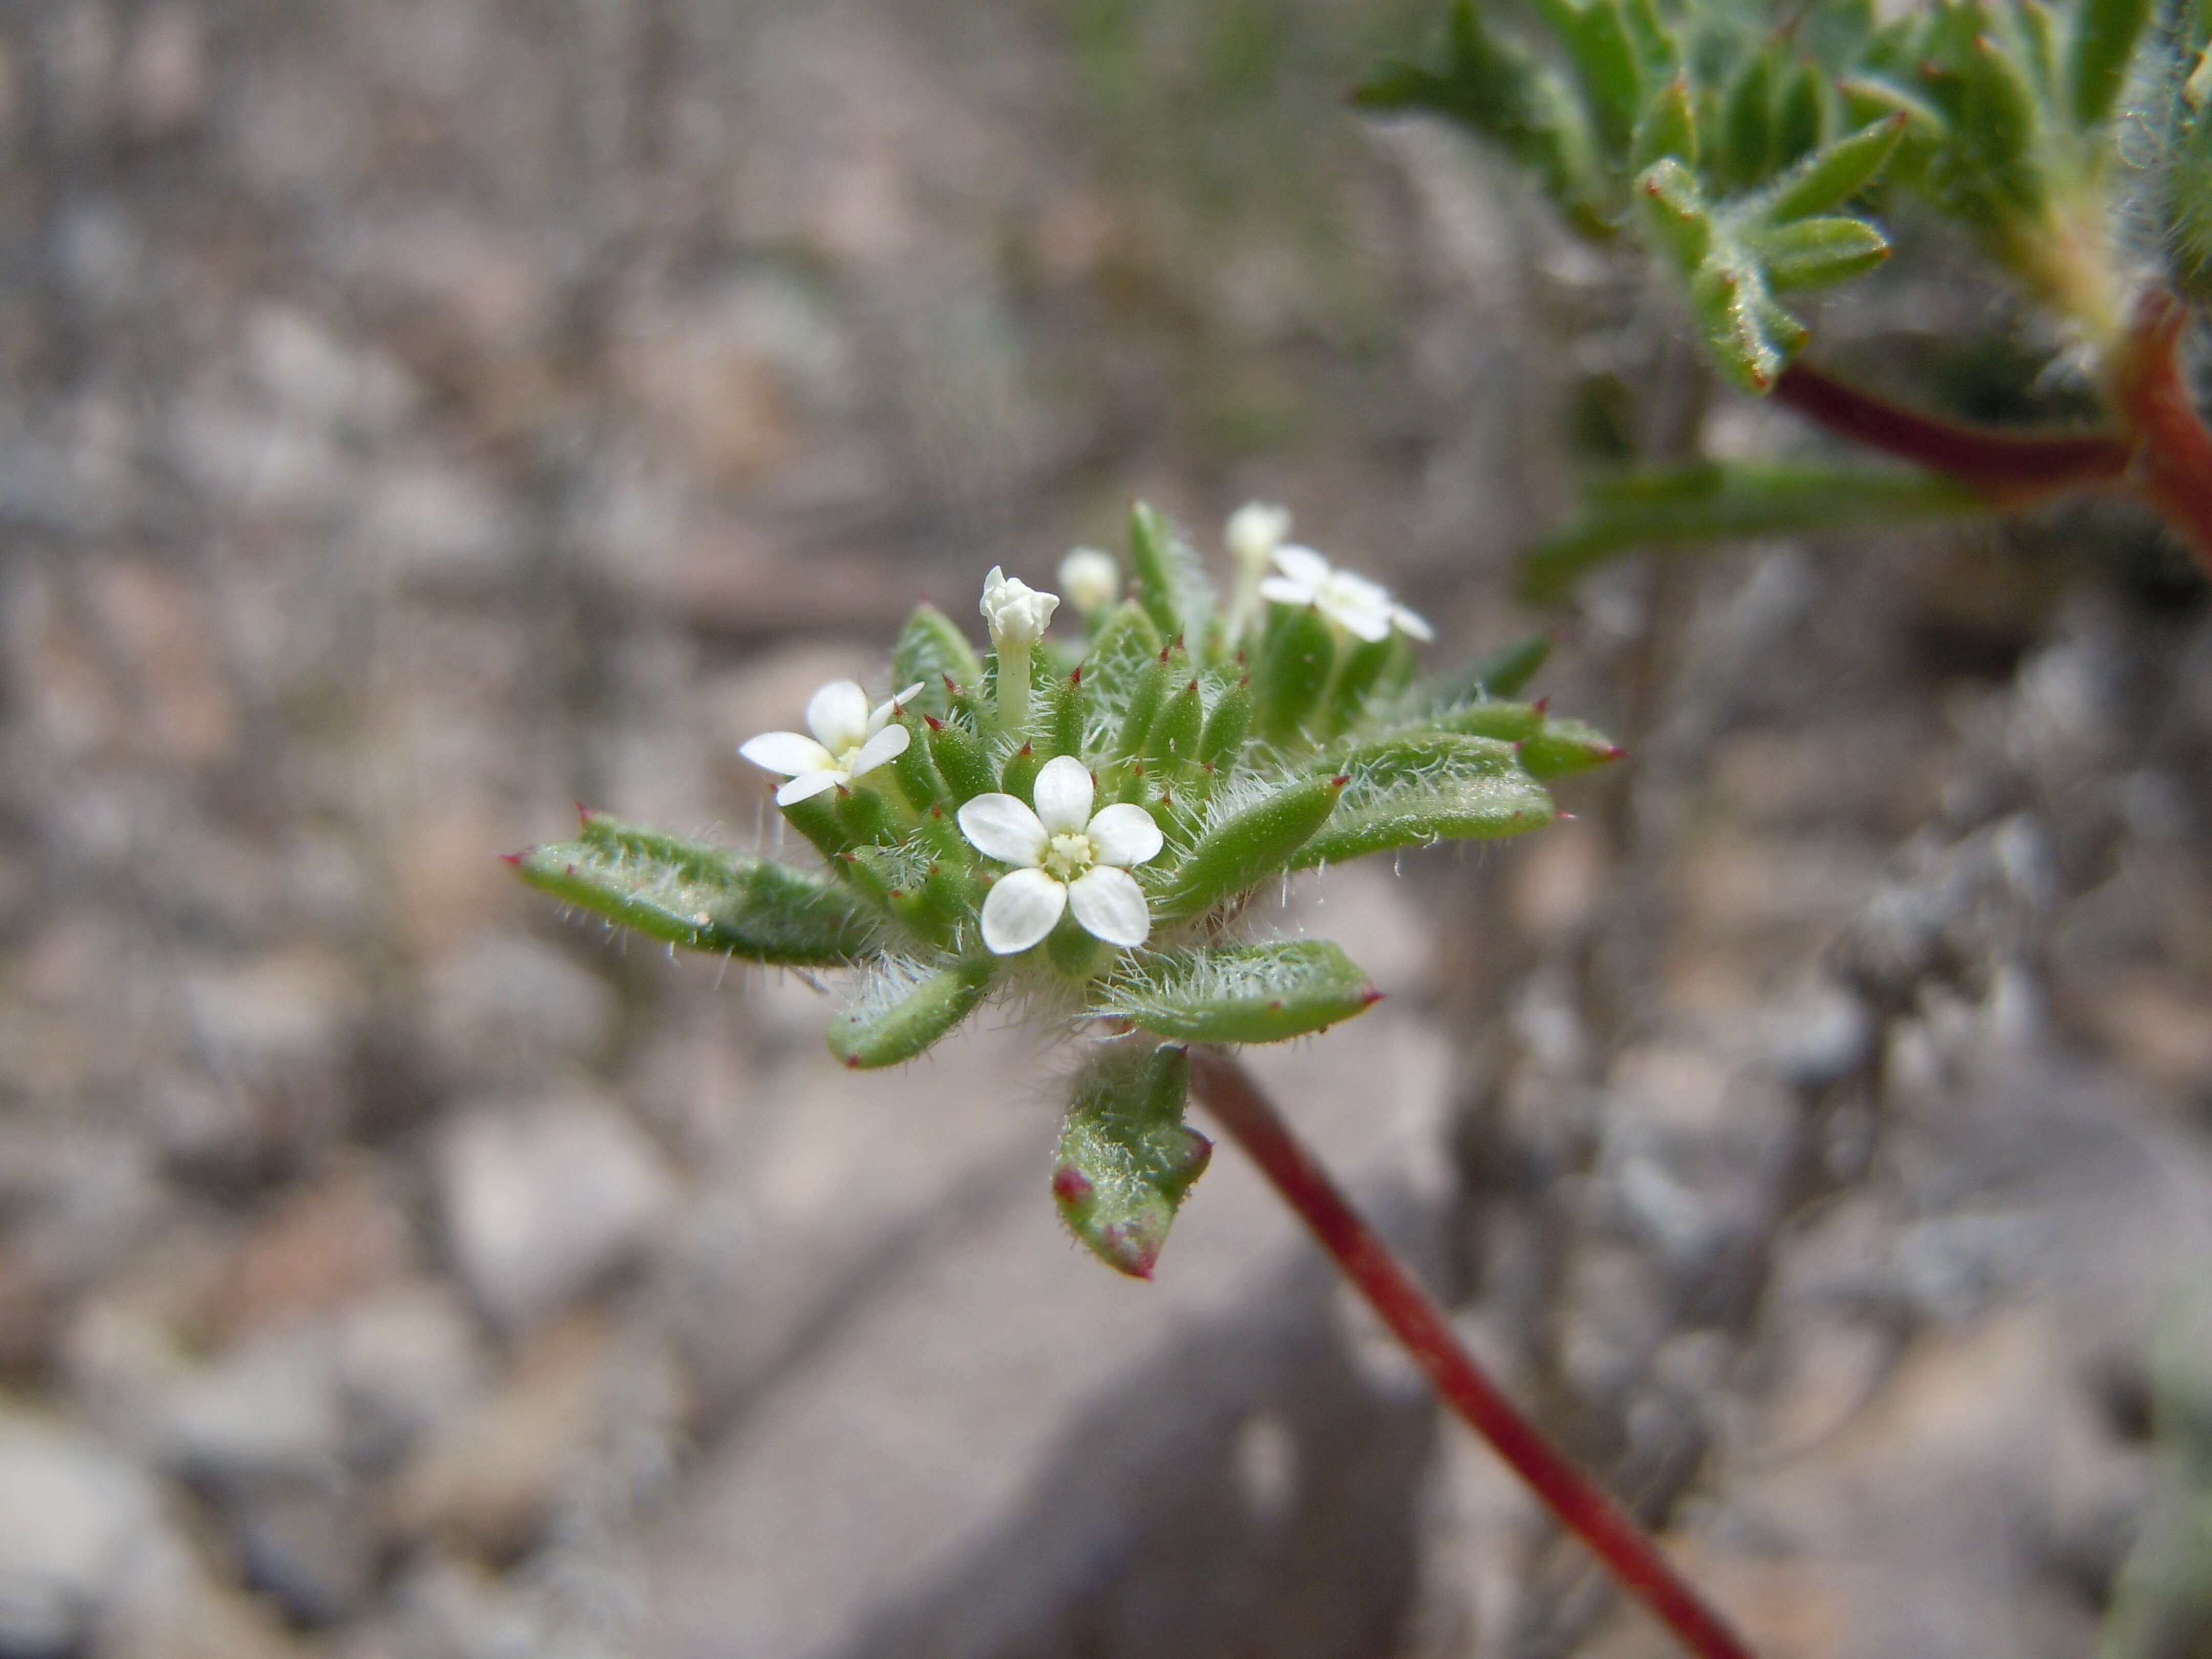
x: 1078, y: 822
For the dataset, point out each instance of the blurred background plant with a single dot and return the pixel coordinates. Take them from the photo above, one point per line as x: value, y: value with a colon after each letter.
x: 419, y: 415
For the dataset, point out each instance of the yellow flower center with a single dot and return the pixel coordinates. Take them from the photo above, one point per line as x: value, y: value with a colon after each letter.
x: 1068, y: 855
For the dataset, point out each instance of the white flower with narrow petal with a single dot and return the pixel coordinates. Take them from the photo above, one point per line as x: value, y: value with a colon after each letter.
x: 1066, y: 858
x: 1017, y: 613
x: 849, y: 739
x: 1362, y: 607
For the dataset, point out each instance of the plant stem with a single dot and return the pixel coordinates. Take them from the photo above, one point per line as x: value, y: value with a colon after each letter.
x: 2010, y: 468
x: 1583, y: 1506
x: 2173, y: 463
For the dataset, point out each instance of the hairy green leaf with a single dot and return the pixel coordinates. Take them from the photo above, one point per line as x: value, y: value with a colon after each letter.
x: 903, y: 1009
x: 1126, y: 1159
x: 1684, y: 507
x: 1411, y: 790
x: 931, y: 650
x: 1240, y: 993
x: 700, y: 896
x: 1248, y: 841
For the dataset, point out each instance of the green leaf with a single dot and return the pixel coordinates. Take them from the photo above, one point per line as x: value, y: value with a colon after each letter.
x: 1800, y: 121
x: 1295, y: 661
x: 1674, y: 210
x: 1170, y: 585
x: 931, y: 650
x: 1838, y: 172
x: 1751, y: 336
x: 1497, y: 89
x: 1508, y: 722
x: 1251, y: 839
x: 962, y: 760
x: 1413, y: 790
x: 1239, y: 994
x: 699, y: 897
x: 1126, y: 1159
x: 1997, y: 136
x: 1686, y: 506
x: 903, y: 1009
x: 1596, y: 37
x: 1747, y: 122
x: 2099, y: 47
x: 1819, y: 252
x: 1669, y: 128
x: 1561, y: 748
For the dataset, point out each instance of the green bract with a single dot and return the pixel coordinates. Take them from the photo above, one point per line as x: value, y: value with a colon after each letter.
x: 1083, y: 831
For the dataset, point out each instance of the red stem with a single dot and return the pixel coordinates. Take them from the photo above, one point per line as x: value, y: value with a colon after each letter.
x: 2161, y: 451
x: 1587, y: 1509
x: 2172, y: 469
x: 2010, y: 467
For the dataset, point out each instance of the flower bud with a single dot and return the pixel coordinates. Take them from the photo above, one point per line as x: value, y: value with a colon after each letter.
x: 1255, y: 531
x: 1093, y: 579
x: 1017, y: 613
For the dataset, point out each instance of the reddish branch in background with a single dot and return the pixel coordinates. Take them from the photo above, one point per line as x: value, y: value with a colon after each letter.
x: 1584, y: 1507
x: 2159, y: 452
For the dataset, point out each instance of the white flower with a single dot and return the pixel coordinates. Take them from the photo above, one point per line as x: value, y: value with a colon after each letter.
x: 1017, y: 613
x: 1256, y: 530
x: 1091, y: 578
x: 1066, y: 858
x: 1362, y: 607
x: 848, y: 740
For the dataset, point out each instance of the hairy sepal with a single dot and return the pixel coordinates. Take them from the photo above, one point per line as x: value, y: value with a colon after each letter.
x: 701, y: 898
x: 1413, y: 790
x: 1126, y: 1159
x: 1265, y: 992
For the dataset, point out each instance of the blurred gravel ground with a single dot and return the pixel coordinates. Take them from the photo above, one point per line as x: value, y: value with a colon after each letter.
x: 417, y: 417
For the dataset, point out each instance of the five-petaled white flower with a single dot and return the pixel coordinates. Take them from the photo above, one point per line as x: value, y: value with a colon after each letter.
x: 1066, y: 858
x: 848, y: 740
x: 1362, y: 607
x: 1017, y: 613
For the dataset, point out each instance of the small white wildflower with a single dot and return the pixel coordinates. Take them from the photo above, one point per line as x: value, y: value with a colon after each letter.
x: 1091, y: 579
x: 1017, y: 613
x: 1361, y: 607
x: 1255, y: 530
x: 849, y: 739
x: 1065, y: 857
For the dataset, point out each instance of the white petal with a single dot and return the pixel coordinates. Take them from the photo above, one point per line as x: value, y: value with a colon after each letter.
x: 1063, y: 793
x: 1001, y: 827
x: 1357, y: 605
x: 807, y: 785
x: 1302, y: 565
x: 887, y: 744
x: 1369, y: 622
x: 1412, y: 622
x: 1283, y: 591
x: 1020, y: 909
x: 1108, y: 903
x: 786, y: 752
x: 882, y: 717
x: 838, y: 715
x: 1124, y: 833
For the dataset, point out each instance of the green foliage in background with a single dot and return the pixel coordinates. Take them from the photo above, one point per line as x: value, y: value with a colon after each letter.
x: 1752, y: 153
